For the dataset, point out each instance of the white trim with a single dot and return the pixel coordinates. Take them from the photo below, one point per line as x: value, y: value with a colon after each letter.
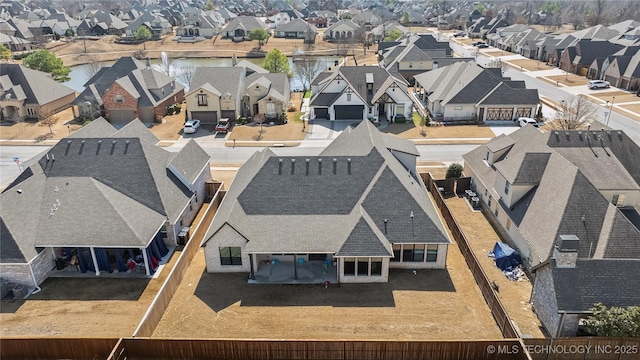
x: 95, y: 261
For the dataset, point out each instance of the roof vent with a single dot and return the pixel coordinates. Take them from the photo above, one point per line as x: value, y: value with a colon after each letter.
x: 19, y: 191
x: 319, y: 166
x: 113, y: 146
x: 306, y: 164
x: 66, y: 151
x: 81, y: 147
x: 126, y: 146
x: 279, y: 166
x: 293, y: 166
x: 98, y: 147
x: 349, y: 166
x: 335, y: 166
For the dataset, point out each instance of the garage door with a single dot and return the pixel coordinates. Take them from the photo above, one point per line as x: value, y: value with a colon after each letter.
x: 611, y: 79
x: 121, y: 116
x: 349, y: 112
x: 229, y: 114
x: 321, y: 113
x: 206, y: 117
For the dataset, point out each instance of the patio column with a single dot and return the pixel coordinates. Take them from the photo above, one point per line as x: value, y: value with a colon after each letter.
x: 95, y: 261
x: 146, y: 261
x: 295, y: 267
x: 515, y: 111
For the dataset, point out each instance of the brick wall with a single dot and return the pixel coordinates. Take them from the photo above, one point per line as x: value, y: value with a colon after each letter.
x: 161, y: 110
x: 109, y: 100
x: 543, y: 299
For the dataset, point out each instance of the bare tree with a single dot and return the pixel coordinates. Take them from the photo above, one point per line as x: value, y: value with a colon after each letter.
x: 89, y: 109
x: 573, y: 113
x: 139, y: 54
x: 166, y: 65
x: 575, y: 14
x: 185, y: 73
x: 92, y: 67
x: 48, y: 118
x: 596, y: 12
x: 16, y: 118
x: 498, y: 63
x: 306, y: 69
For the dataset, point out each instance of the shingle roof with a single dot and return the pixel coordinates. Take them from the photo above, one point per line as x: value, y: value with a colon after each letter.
x: 611, y: 282
x: 224, y: 79
x: 38, y: 87
x: 190, y: 160
x: 363, y: 241
x: 297, y: 25
x: 98, y: 128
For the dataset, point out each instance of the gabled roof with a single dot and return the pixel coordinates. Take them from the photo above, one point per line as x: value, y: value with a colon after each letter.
x: 247, y: 23
x: 330, y: 202
x: 89, y: 188
x: 32, y: 86
x: 297, y: 25
x: 224, y: 79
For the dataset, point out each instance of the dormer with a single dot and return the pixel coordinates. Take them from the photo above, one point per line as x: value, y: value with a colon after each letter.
x: 497, y: 148
x: 518, y: 175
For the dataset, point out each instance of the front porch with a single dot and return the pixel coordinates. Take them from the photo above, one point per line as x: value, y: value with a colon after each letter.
x: 295, y: 272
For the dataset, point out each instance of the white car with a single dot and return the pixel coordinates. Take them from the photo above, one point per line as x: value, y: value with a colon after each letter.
x: 598, y: 84
x: 527, y: 121
x: 191, y: 126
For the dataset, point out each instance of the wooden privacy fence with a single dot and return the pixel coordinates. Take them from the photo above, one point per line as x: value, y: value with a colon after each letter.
x: 160, y: 303
x: 56, y: 348
x: 490, y: 296
x: 132, y: 349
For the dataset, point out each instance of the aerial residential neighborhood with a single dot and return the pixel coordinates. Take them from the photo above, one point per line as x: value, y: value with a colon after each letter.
x: 319, y: 179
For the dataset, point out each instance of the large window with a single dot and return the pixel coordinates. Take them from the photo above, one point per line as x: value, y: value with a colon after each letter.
x: 413, y: 253
x: 119, y: 98
x: 432, y: 253
x: 376, y: 266
x: 506, y: 188
x: 202, y: 100
x: 400, y: 109
x: 349, y: 267
x: 230, y: 256
x: 271, y: 108
x: 363, y: 267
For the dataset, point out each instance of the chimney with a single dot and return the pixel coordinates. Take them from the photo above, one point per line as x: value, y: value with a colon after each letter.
x: 319, y: 166
x: 293, y: 166
x: 306, y: 164
x: 335, y: 166
x: 566, y: 251
x: 349, y: 166
x: 279, y: 166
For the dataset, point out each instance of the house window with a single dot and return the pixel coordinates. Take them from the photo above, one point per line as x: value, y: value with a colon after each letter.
x: 432, y: 253
x: 621, y: 199
x: 195, y: 194
x: 363, y: 267
x: 400, y: 109
x: 31, y: 112
x: 230, y: 256
x: 190, y: 207
x: 457, y: 108
x: 271, y: 108
x: 489, y: 202
x: 506, y: 188
x: 397, y: 248
x: 413, y: 253
x: 348, y: 97
x: 349, y: 267
x: 163, y: 232
x: 376, y: 266
x: 496, y: 212
x: 202, y: 99
x: 508, y: 224
x: 118, y: 98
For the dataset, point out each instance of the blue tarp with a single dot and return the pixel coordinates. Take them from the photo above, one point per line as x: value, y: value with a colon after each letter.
x: 506, y: 257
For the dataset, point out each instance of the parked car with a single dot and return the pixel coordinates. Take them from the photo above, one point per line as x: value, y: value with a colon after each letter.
x: 482, y: 46
x: 598, y: 84
x: 478, y: 43
x: 191, y: 126
x: 527, y: 121
x: 223, y: 126
x: 460, y: 34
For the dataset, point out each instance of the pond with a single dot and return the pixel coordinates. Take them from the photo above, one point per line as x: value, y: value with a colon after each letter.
x: 80, y: 73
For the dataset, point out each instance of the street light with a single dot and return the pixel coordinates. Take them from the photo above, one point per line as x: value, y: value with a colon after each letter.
x: 613, y: 98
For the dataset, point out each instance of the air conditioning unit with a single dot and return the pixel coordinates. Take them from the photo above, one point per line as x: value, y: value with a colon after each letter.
x: 475, y: 202
x: 20, y: 291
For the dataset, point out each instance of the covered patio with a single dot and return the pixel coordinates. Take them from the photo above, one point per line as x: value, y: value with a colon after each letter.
x: 295, y: 272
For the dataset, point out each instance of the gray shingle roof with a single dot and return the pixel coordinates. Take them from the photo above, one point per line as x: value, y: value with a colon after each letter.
x: 98, y: 128
x: 363, y: 241
x: 324, y: 99
x: 611, y: 282
x: 37, y: 87
x: 224, y: 79
x: 135, y: 129
x: 190, y: 160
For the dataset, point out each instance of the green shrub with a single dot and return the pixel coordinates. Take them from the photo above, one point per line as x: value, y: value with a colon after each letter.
x: 23, y: 55
x: 454, y: 171
x: 170, y: 110
x: 400, y: 119
x: 177, y: 108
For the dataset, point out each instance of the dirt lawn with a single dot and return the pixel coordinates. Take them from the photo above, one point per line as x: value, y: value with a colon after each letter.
x: 497, y: 53
x: 80, y: 307
x: 514, y: 295
x: 412, y: 131
x: 531, y: 65
x: 621, y: 96
x: 571, y: 80
x: 408, y: 307
x: 36, y: 131
x: 633, y: 107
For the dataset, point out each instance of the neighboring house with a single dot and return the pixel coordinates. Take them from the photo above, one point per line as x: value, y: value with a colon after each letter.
x: 579, y: 57
x: 366, y: 19
x: 378, y: 33
x: 318, y: 219
x: 241, y: 26
x: 359, y: 93
x: 554, y: 195
x: 200, y: 24
x: 158, y: 25
x: 623, y: 68
x: 102, y: 23
x: 130, y: 89
x: 465, y: 92
x: 215, y: 93
x: 231, y: 92
x: 343, y: 30
x: 27, y: 93
x: 15, y: 43
x: 297, y: 29
x: 101, y: 194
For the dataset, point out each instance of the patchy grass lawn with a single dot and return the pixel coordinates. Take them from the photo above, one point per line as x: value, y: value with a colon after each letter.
x: 413, y: 131
x: 569, y: 80
x: 621, y: 96
x: 172, y: 126
x: 497, y: 53
x: 36, y: 131
x: 635, y: 108
x: 531, y: 65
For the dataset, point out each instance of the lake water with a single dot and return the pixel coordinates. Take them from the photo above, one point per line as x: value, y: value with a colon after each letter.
x: 79, y: 73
